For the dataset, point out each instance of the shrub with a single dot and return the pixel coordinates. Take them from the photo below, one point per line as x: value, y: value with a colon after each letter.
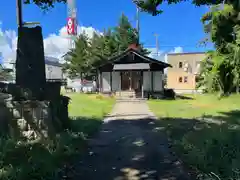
x: 169, y: 93
x: 39, y: 160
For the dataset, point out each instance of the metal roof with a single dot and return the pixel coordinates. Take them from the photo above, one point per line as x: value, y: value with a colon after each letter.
x: 185, y: 53
x: 118, y: 58
x: 136, y: 66
x: 52, y: 61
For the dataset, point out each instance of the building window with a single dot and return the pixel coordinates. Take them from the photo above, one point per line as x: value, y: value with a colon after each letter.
x: 185, y: 79
x: 180, y: 79
x: 180, y: 64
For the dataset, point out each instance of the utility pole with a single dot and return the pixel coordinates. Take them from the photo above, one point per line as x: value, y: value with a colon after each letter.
x: 157, y: 45
x: 138, y: 26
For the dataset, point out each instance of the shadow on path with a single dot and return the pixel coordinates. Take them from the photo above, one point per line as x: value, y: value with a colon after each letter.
x: 135, y: 149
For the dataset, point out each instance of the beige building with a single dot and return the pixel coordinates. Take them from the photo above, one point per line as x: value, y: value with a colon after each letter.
x: 185, y: 67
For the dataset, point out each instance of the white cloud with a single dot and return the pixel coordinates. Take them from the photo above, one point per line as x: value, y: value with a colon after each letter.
x: 178, y: 49
x: 55, y: 45
x: 154, y: 53
x: 162, y: 55
x: 58, y: 44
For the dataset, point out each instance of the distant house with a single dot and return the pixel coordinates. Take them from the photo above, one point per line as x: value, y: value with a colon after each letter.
x: 185, y: 68
x: 53, y: 68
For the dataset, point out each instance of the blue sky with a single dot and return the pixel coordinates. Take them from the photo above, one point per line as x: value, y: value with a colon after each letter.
x: 179, y: 26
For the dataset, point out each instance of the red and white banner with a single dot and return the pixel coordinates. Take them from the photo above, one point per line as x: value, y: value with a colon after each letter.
x: 71, y: 26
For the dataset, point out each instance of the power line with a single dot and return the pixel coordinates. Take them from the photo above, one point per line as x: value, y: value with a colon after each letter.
x: 162, y: 45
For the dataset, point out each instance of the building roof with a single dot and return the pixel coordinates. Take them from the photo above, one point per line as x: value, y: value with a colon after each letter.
x: 117, y: 58
x: 52, y: 61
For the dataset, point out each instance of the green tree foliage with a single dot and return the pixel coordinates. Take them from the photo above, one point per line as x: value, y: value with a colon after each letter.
x: 90, y: 53
x: 150, y: 6
x: 44, y: 4
x: 77, y: 59
x: 153, y: 6
x: 221, y: 25
x: 125, y: 34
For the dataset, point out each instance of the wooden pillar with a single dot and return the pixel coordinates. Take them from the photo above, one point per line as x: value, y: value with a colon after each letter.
x: 149, y: 78
x: 142, y: 84
x: 152, y: 81
x: 120, y: 86
x: 111, y: 80
x: 120, y: 82
x: 162, y: 80
x: 100, y: 82
x: 130, y: 76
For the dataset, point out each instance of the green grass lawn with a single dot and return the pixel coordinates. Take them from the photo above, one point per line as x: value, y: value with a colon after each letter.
x: 84, y: 105
x: 204, y: 132
x: 87, y: 111
x: 199, y: 106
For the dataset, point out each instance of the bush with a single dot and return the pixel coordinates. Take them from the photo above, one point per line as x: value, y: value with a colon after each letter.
x: 39, y: 160
x: 169, y: 94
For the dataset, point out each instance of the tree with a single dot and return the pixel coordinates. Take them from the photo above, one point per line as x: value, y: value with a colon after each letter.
x: 44, y: 4
x: 77, y: 59
x: 214, y: 75
x: 110, y: 45
x: 125, y: 34
x: 102, y: 47
x: 234, y: 55
x: 221, y: 26
x: 152, y: 6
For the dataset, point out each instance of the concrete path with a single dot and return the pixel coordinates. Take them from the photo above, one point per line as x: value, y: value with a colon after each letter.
x: 130, y: 146
x: 133, y: 110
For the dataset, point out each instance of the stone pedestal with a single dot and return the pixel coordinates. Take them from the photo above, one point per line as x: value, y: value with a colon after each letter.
x: 32, y: 119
